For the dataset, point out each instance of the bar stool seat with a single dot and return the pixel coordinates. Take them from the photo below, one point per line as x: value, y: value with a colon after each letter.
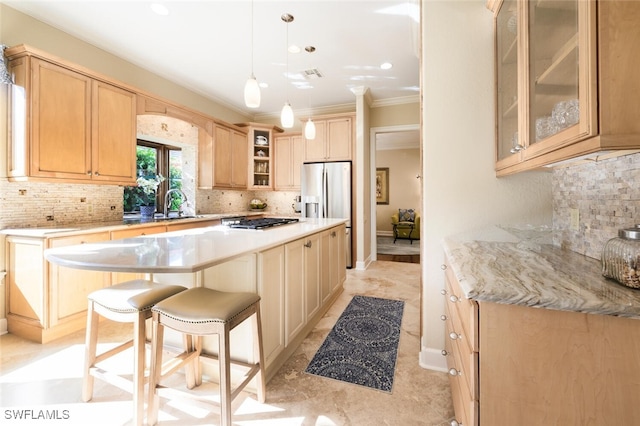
x: 127, y: 302
x: 201, y: 312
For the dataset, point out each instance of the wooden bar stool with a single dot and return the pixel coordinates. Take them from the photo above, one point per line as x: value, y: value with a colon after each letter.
x: 201, y: 312
x: 129, y: 302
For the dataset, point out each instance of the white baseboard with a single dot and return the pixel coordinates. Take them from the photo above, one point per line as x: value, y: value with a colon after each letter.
x: 3, y: 326
x: 432, y: 359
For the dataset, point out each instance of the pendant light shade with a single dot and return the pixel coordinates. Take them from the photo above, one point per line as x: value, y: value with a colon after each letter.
x: 310, y: 130
x: 286, y: 117
x: 252, y: 92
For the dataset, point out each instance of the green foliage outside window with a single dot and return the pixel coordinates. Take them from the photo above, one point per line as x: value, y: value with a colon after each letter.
x: 146, y: 166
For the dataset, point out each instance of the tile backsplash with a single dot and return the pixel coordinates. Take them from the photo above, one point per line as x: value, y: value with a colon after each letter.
x: 28, y: 204
x: 605, y: 193
x: 31, y: 204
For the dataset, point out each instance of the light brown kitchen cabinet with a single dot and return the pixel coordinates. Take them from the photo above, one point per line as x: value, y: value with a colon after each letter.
x: 271, y: 285
x: 461, y: 350
x: 67, y: 125
x: 333, y: 259
x: 289, y: 156
x: 514, y: 365
x: 312, y: 272
x: 229, y: 158
x: 294, y: 289
x: 261, y: 154
x: 566, y: 83
x: 333, y: 141
x: 46, y: 301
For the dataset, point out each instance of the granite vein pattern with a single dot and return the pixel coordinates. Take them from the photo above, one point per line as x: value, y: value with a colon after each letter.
x: 521, y: 266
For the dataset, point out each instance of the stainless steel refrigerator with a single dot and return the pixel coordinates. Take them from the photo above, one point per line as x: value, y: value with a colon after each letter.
x: 326, y: 192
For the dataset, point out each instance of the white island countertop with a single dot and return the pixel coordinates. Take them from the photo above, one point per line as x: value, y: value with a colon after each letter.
x: 521, y: 266
x: 182, y: 251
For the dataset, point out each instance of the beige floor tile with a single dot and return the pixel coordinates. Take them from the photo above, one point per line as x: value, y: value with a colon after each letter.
x: 46, y: 379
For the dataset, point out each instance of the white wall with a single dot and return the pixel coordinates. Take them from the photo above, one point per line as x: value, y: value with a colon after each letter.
x: 460, y: 190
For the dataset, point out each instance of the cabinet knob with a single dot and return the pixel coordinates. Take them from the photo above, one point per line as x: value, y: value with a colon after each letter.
x: 443, y: 266
x: 454, y: 372
x: 454, y: 422
x: 97, y: 174
x: 455, y: 336
x: 443, y: 317
x: 454, y: 299
x: 88, y: 172
x: 308, y: 244
x: 443, y: 292
x: 333, y: 234
x: 444, y: 352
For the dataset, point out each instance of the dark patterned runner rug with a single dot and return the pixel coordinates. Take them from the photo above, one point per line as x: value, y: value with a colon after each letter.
x: 362, y: 347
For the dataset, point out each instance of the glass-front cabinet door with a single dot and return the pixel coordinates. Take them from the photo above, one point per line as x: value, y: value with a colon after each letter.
x: 546, y: 78
x: 560, y: 73
x: 507, y: 81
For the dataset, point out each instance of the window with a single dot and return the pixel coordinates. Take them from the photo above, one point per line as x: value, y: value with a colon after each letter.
x: 154, y: 159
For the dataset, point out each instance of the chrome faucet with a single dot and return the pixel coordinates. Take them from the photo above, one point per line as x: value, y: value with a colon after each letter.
x: 167, y: 200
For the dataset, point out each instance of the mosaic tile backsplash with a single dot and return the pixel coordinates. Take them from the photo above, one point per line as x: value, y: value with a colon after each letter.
x: 606, y: 195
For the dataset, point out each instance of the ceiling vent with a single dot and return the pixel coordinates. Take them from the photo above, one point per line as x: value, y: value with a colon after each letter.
x: 312, y: 73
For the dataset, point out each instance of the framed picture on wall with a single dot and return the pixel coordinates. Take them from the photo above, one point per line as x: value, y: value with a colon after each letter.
x: 382, y: 185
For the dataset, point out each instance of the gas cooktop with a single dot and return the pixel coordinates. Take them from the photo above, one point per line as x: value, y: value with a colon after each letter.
x: 262, y: 223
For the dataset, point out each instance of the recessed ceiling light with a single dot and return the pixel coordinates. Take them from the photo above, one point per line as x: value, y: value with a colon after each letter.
x: 386, y: 65
x: 160, y: 9
x: 294, y: 49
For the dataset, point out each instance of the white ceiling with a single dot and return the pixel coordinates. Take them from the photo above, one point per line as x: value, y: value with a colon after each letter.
x: 206, y: 46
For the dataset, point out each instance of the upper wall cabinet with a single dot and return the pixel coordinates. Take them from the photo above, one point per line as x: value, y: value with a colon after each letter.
x: 566, y: 80
x: 67, y: 125
x: 261, y: 155
x: 333, y: 141
x: 289, y: 154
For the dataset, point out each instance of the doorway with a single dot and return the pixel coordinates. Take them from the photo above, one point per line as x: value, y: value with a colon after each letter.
x: 395, y: 155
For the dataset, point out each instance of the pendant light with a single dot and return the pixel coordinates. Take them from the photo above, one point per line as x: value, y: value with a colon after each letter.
x: 5, y: 77
x: 251, y: 88
x: 310, y: 127
x: 286, y: 116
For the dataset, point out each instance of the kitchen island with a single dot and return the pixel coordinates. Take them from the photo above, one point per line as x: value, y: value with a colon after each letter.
x: 298, y: 270
x: 535, y: 334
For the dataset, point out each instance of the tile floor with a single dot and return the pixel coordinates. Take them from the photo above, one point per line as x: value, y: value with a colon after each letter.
x: 46, y: 379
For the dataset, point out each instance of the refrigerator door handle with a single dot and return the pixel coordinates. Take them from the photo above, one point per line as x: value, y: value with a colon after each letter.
x: 325, y: 193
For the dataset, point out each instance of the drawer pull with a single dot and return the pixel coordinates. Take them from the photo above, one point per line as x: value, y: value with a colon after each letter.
x: 454, y: 422
x: 454, y: 372
x: 455, y: 336
x: 443, y: 292
x: 444, y: 352
x: 443, y: 317
x: 454, y: 299
x: 308, y: 244
x: 443, y: 267
x: 333, y: 234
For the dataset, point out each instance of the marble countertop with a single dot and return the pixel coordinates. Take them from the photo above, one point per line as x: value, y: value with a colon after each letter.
x: 520, y: 266
x: 189, y: 250
x: 71, y: 229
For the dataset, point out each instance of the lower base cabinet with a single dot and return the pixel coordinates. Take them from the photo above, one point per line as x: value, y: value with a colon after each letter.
x: 45, y: 301
x: 536, y: 366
